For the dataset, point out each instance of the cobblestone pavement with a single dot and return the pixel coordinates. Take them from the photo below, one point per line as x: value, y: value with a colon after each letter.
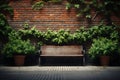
x: 60, y: 73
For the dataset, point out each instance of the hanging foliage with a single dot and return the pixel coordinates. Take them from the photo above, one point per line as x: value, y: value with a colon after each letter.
x: 105, y: 7
x: 5, y: 9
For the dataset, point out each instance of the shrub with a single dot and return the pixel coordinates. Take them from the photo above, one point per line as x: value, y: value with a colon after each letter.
x: 103, y: 46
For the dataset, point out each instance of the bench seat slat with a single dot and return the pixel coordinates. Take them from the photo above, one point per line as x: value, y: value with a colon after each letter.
x: 61, y: 55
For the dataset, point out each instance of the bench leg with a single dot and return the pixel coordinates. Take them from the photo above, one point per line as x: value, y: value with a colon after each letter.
x: 39, y: 61
x: 83, y: 61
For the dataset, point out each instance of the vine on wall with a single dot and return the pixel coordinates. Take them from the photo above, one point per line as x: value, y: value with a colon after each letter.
x: 40, y: 4
x: 66, y: 37
x: 106, y: 8
x: 5, y: 29
x: 5, y: 10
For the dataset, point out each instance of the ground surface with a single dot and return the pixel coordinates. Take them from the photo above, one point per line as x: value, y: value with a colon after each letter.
x: 60, y: 73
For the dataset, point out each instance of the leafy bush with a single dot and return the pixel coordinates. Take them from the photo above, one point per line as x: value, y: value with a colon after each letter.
x: 17, y: 46
x: 65, y: 37
x: 60, y: 37
x: 81, y: 36
x: 103, y: 46
x: 27, y: 33
x: 4, y: 26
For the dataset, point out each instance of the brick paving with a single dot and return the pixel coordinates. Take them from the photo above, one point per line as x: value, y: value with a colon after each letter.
x: 60, y: 73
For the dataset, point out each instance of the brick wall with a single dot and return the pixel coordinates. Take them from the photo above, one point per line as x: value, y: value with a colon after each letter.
x: 53, y: 16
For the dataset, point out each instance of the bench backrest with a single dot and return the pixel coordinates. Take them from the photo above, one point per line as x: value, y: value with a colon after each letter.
x: 61, y: 50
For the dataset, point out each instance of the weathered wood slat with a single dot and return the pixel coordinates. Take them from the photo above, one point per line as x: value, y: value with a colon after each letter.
x: 63, y: 55
x: 73, y: 50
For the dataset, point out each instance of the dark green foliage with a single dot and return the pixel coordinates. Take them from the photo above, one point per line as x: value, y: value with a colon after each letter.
x: 101, y: 7
x: 104, y: 31
x: 40, y: 4
x: 65, y: 37
x: 60, y: 37
x: 5, y: 9
x: 105, y: 41
x: 17, y: 46
x: 4, y: 26
x: 84, y: 7
x: 103, y: 46
x: 27, y: 33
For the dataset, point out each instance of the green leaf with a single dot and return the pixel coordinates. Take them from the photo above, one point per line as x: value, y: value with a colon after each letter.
x: 38, y: 5
x: 68, y: 6
x: 88, y: 16
x: 76, y: 5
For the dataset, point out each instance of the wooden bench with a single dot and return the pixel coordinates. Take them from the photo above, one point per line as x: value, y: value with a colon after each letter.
x: 62, y: 51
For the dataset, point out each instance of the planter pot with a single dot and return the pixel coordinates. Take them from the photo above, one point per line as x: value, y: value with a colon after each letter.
x: 104, y: 60
x: 19, y: 60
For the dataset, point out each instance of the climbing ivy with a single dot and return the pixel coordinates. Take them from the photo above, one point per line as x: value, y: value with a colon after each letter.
x: 40, y: 4
x: 5, y: 29
x: 5, y: 9
x: 84, y: 7
x: 65, y: 37
x: 101, y: 7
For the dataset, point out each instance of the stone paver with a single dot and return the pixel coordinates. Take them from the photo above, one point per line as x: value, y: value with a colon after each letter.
x: 60, y: 73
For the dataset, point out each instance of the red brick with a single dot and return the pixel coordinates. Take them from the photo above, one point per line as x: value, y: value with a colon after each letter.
x: 53, y: 16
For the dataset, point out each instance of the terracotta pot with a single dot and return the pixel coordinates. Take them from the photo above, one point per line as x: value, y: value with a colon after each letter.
x: 19, y: 60
x: 104, y: 60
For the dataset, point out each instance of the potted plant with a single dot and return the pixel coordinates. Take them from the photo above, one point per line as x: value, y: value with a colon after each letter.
x: 18, y: 48
x: 103, y: 48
